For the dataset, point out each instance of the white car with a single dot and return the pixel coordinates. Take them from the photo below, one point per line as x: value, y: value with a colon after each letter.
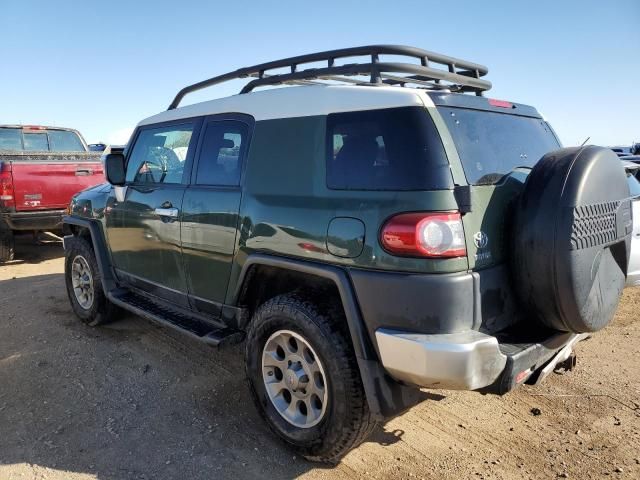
x: 633, y: 276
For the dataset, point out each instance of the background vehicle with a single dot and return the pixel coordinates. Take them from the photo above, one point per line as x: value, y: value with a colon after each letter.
x: 367, y: 237
x: 97, y: 147
x: 41, y: 168
x: 633, y: 170
x: 621, y: 151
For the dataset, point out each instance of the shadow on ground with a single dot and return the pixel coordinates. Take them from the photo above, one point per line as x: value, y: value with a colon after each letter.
x: 128, y: 400
x: 35, y: 249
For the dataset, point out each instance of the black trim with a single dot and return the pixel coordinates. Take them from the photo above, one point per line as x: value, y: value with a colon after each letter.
x: 385, y: 396
x: 523, y: 356
x: 38, y: 220
x: 460, y: 75
x: 99, y: 248
x: 180, y: 299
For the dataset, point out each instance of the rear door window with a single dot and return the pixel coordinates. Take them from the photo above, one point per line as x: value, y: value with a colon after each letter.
x: 492, y: 144
x: 388, y: 149
x: 221, y: 153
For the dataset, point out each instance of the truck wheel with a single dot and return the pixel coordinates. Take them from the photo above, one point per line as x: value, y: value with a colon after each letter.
x: 304, y: 378
x: 6, y: 243
x: 84, y: 285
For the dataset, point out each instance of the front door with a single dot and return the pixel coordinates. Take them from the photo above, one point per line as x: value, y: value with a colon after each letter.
x: 143, y: 226
x: 211, y: 210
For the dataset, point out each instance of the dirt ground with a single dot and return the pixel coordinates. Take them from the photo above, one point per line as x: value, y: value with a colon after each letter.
x: 133, y: 400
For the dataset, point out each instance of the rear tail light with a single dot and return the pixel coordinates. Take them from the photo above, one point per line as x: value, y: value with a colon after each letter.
x: 436, y: 235
x: 6, y: 186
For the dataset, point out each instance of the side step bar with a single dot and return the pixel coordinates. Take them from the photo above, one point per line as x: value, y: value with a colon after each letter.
x: 201, y: 330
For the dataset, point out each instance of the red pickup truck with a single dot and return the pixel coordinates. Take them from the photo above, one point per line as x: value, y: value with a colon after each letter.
x: 41, y: 168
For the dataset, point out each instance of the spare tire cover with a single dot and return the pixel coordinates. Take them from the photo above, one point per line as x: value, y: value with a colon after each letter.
x: 571, y: 239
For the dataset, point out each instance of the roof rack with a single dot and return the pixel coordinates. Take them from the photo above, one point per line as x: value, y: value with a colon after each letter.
x: 459, y: 75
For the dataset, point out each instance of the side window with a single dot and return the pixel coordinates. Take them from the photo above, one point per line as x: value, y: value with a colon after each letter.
x: 159, y: 154
x: 223, y: 147
x: 390, y: 149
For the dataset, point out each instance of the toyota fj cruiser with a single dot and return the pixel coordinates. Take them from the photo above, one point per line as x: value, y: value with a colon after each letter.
x: 379, y: 226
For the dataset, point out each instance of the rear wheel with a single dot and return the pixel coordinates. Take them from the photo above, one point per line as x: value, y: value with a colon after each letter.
x: 304, y: 378
x: 84, y: 285
x: 6, y: 243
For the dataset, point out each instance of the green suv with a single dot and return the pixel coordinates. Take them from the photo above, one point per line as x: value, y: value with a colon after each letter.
x: 370, y: 227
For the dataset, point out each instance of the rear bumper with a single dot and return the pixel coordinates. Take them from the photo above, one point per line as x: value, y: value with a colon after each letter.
x: 633, y: 279
x: 39, y: 220
x: 469, y: 360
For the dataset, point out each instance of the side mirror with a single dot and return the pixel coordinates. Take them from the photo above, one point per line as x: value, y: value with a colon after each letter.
x: 114, y: 169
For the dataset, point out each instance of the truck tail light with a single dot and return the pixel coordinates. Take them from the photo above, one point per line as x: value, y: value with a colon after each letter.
x: 435, y: 235
x: 6, y: 186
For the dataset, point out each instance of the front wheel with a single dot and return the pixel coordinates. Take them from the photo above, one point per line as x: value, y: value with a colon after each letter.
x: 84, y: 285
x: 304, y: 378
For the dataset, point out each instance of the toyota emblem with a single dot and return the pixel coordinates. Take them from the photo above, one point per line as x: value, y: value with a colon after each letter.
x: 481, y: 239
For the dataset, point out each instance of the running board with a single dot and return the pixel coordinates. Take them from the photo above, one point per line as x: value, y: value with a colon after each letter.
x: 170, y: 317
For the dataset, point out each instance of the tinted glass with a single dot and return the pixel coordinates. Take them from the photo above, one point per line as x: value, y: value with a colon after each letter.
x: 223, y: 146
x: 634, y: 185
x: 10, y: 139
x: 492, y: 144
x: 64, y: 141
x: 35, y: 142
x: 159, y: 154
x: 390, y: 149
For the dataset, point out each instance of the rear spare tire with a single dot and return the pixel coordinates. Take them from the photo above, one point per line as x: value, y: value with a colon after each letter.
x: 571, y: 239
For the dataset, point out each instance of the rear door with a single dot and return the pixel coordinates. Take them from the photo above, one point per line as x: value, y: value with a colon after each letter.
x: 497, y: 143
x: 143, y: 226
x: 211, y: 210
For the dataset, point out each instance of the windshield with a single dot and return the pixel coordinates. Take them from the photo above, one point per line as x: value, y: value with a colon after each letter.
x: 492, y: 144
x: 40, y: 140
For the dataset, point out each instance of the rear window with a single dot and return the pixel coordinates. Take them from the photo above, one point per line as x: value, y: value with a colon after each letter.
x: 64, y: 141
x: 389, y: 149
x: 10, y: 139
x: 19, y: 140
x: 492, y: 144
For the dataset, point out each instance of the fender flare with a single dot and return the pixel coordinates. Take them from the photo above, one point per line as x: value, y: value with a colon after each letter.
x: 386, y: 397
x: 99, y: 248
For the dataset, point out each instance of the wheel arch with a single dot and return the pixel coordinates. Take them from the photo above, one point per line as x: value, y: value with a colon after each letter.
x: 385, y: 396
x: 74, y: 227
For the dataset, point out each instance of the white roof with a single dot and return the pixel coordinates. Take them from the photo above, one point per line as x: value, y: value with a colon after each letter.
x: 301, y: 101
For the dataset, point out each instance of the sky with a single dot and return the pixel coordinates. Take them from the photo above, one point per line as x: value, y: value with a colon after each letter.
x: 101, y: 67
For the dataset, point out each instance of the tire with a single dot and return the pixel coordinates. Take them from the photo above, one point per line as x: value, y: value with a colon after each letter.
x: 346, y: 420
x: 99, y: 310
x: 6, y: 243
x: 571, y: 239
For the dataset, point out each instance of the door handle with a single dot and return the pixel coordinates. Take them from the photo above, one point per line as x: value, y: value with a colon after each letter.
x: 83, y: 172
x: 167, y: 212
